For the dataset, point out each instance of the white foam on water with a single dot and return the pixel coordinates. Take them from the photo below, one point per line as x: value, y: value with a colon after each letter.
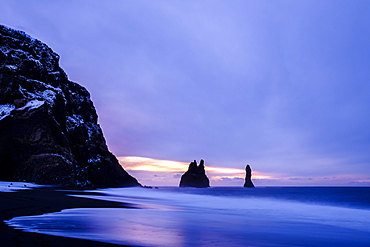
x: 15, y: 186
x: 178, y: 219
x: 358, y: 219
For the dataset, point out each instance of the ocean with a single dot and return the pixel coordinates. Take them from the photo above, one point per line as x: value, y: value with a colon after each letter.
x: 217, y: 216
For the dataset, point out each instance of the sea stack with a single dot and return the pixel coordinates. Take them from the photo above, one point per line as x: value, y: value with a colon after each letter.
x: 248, y: 177
x: 48, y: 124
x: 195, y: 176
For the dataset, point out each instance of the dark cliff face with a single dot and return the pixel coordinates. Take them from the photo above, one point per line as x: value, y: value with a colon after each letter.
x: 48, y: 124
x: 248, y: 177
x: 195, y: 176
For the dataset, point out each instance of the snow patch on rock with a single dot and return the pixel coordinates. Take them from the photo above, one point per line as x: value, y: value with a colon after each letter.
x: 95, y: 159
x: 33, y: 104
x: 5, y: 110
x: 74, y: 121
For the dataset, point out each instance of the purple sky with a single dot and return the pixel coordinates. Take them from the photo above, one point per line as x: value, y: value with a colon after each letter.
x: 280, y: 85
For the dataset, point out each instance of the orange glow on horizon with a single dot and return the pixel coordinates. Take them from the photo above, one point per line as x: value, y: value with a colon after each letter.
x: 151, y: 165
x: 158, y: 172
x: 133, y: 163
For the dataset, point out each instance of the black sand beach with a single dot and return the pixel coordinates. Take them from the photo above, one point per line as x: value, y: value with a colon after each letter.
x: 39, y: 201
x: 172, y: 216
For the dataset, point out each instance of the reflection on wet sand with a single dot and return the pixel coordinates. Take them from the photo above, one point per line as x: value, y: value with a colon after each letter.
x: 178, y: 219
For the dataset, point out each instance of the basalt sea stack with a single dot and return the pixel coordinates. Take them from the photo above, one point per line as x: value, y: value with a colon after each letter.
x: 48, y: 124
x: 195, y: 176
x: 248, y: 177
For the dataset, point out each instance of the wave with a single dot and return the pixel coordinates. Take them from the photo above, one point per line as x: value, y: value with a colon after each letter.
x: 170, y: 218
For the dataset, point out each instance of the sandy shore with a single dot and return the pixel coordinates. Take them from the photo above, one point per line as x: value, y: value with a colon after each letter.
x: 39, y: 201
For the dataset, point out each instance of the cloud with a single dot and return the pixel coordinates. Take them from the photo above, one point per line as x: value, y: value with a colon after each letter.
x: 302, y: 179
x: 282, y: 91
x: 361, y: 182
x: 168, y: 173
x: 227, y: 178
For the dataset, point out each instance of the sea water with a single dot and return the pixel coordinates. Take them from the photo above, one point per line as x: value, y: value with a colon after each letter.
x: 218, y: 216
x: 16, y: 186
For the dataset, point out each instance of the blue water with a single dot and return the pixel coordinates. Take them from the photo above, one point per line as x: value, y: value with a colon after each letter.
x: 271, y: 216
x: 355, y: 197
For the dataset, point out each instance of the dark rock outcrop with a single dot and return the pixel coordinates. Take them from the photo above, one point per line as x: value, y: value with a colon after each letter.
x: 48, y: 124
x: 248, y: 177
x: 195, y: 176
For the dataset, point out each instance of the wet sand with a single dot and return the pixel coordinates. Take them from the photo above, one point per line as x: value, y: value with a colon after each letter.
x: 45, y: 200
x: 170, y: 217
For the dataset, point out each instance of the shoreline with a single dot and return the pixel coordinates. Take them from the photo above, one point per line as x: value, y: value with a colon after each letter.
x: 39, y: 201
x: 193, y: 217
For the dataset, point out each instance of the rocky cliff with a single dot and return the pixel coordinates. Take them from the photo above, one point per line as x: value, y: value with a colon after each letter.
x: 48, y: 124
x: 195, y: 176
x: 248, y: 177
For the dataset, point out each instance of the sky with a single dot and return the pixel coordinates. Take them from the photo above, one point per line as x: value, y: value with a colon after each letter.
x: 280, y: 85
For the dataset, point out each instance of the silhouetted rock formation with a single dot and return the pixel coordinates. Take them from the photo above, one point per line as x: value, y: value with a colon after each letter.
x: 48, y: 124
x: 195, y: 176
x: 248, y: 176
